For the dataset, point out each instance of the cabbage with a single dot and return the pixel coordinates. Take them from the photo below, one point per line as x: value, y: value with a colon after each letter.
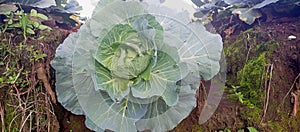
x: 133, y: 67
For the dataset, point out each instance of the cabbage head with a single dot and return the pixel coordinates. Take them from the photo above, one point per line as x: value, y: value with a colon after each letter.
x: 135, y: 66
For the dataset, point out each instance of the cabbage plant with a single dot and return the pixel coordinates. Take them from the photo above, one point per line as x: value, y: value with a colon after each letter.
x: 135, y: 66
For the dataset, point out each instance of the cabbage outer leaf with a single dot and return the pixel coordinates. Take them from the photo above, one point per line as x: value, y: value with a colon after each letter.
x: 135, y: 68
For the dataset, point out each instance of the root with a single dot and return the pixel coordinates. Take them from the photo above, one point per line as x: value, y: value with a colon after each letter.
x: 2, y: 117
x: 295, y: 101
x: 291, y: 88
x: 41, y: 73
x: 269, y: 70
x: 295, y: 95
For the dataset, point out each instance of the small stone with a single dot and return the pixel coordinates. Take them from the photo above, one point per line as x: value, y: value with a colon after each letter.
x: 292, y: 37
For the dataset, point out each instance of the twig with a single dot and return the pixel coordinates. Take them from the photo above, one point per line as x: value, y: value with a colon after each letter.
x: 267, y: 87
x: 295, y: 95
x: 290, y: 89
x: 22, y: 93
x: 24, y: 121
x: 2, y: 117
x: 42, y: 76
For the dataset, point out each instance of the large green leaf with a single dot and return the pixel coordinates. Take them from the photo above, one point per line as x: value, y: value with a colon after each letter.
x: 7, y: 8
x: 161, y: 117
x: 105, y: 112
x: 65, y: 91
x: 165, y: 74
x: 116, y: 87
x: 198, y: 48
x: 249, y: 15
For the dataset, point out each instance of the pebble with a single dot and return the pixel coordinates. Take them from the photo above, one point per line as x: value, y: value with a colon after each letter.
x: 292, y: 37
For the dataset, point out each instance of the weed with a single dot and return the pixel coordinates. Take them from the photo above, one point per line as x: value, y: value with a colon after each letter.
x: 23, y: 99
x: 28, y: 23
x: 250, y: 129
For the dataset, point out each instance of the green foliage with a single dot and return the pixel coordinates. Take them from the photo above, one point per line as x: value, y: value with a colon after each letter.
x: 16, y: 59
x: 11, y: 71
x: 35, y: 55
x: 250, y: 80
x: 283, y: 122
x: 28, y: 23
x: 246, y: 43
x: 246, y: 85
x: 250, y: 129
x: 11, y: 117
x: 237, y: 94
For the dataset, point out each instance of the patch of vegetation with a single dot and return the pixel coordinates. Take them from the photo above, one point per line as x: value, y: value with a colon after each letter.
x: 250, y: 129
x: 284, y: 123
x: 24, y: 103
x: 251, y: 116
x: 24, y: 23
x: 248, y: 56
x: 250, y: 81
x: 246, y: 85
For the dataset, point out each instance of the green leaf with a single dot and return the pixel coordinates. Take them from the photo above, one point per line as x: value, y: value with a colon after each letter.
x: 42, y: 16
x: 227, y: 130
x: 166, y: 72
x: 16, y: 25
x: 252, y: 129
x: 30, y: 31
x: 170, y: 95
x: 7, y: 8
x: 241, y: 130
x: 44, y: 27
x: 264, y: 3
x: 117, y: 88
x: 247, y: 15
x: 116, y: 116
x: 10, y: 21
x: 65, y: 91
x: 33, y: 12
x: 160, y: 116
x: 36, y: 24
x: 201, y: 54
x: 122, y: 52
